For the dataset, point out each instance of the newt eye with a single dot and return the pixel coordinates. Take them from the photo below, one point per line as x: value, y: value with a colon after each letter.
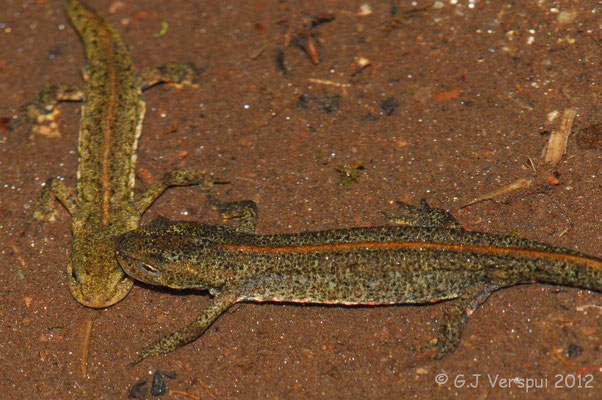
x: 149, y: 269
x: 74, y: 275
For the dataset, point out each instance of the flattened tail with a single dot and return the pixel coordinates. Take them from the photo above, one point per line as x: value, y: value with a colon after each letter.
x: 79, y: 14
x: 90, y: 25
x: 578, y: 271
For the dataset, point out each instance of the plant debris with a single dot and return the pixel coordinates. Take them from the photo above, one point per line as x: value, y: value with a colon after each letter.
x: 349, y: 173
x: 556, y: 146
x: 516, y: 185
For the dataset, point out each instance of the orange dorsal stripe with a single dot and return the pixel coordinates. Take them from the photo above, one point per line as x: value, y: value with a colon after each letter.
x: 394, y: 245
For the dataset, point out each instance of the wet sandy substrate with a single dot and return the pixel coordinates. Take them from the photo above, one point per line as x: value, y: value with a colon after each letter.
x: 453, y: 104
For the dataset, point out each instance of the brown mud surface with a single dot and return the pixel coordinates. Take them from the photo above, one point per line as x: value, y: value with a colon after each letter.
x: 451, y: 101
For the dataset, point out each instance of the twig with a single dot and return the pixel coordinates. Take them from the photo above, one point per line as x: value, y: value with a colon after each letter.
x: 18, y: 255
x: 556, y: 146
x: 562, y: 359
x: 86, y: 346
x: 190, y: 396
x: 516, y: 185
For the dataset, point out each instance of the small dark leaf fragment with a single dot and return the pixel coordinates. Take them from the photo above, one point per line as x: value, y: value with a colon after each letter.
x: 590, y: 137
x: 279, y: 58
x: 389, y: 105
x: 574, y: 350
x: 158, y: 388
x: 138, y: 391
x: 303, y: 102
x: 330, y: 104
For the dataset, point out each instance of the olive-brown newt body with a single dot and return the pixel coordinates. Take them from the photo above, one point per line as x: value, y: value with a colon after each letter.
x: 111, y: 123
x: 431, y: 261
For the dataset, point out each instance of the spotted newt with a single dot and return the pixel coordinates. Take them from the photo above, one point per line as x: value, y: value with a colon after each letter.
x: 431, y: 259
x: 111, y: 123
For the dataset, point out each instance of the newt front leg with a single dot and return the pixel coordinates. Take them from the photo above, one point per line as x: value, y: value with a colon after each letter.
x: 219, y: 305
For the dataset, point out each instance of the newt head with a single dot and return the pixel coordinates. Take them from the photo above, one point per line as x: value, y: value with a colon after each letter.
x: 161, y: 253
x: 95, y: 278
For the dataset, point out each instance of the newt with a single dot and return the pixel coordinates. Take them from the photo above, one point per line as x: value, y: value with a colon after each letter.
x: 111, y: 123
x: 430, y: 259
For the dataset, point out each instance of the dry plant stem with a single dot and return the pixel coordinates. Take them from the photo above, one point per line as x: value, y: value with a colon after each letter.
x: 556, y: 146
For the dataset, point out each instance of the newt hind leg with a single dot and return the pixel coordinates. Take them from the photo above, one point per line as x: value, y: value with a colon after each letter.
x: 43, y: 110
x: 45, y: 209
x: 179, y: 177
x: 244, y: 212
x: 454, y: 319
x: 423, y: 215
x: 177, y: 74
x: 456, y: 316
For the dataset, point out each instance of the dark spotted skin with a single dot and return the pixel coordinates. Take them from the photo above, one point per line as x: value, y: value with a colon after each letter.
x: 104, y: 205
x: 434, y: 261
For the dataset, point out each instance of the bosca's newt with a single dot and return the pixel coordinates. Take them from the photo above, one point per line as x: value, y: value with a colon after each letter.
x: 433, y: 259
x: 111, y: 122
